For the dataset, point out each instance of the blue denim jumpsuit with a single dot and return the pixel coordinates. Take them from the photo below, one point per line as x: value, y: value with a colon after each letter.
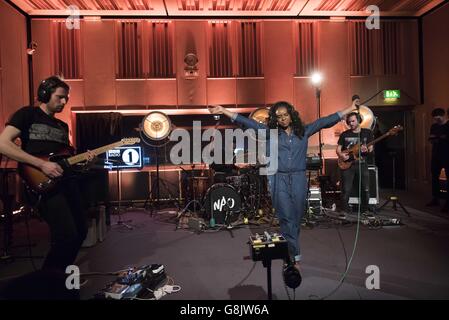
x: 288, y: 186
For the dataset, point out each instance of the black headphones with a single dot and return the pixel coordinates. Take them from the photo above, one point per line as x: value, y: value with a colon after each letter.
x: 47, y: 87
x: 351, y: 114
x: 292, y: 276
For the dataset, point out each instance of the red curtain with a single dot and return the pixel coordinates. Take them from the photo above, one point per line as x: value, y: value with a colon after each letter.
x: 161, y: 50
x: 66, y: 50
x: 391, y: 47
x: 376, y: 51
x: 361, y: 43
x: 306, y: 49
x: 220, y: 54
x: 249, y: 45
x: 129, y: 50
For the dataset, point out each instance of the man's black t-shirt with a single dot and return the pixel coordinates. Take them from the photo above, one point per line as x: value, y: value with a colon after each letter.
x: 40, y: 133
x: 349, y: 138
x: 440, y: 143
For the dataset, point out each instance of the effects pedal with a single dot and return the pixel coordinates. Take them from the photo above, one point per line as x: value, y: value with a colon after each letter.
x: 268, y: 246
x: 131, y: 282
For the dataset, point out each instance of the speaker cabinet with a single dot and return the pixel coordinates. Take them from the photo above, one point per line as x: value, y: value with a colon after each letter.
x: 373, y: 188
x: 128, y: 185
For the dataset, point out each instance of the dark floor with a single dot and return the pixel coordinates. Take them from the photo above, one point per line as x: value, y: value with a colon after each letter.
x: 412, y: 258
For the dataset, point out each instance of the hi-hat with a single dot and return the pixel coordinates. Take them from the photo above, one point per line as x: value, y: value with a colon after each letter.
x: 156, y: 125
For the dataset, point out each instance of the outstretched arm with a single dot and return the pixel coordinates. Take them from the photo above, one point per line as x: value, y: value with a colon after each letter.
x: 249, y: 123
x: 329, y: 121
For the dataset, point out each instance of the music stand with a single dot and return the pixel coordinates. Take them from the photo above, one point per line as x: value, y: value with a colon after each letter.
x: 394, y: 199
x: 120, y: 222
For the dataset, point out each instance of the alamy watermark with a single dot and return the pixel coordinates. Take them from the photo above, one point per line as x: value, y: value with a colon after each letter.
x: 373, y: 280
x: 73, y: 279
x: 373, y: 20
x: 220, y: 150
x: 73, y: 20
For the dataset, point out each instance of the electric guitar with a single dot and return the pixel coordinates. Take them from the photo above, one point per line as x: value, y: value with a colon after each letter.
x: 353, y: 151
x: 40, y: 183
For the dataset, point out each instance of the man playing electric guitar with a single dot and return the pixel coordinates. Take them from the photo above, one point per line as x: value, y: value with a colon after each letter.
x: 351, y: 137
x: 41, y: 134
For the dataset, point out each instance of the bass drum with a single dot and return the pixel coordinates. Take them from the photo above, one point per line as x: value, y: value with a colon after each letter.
x: 223, y: 203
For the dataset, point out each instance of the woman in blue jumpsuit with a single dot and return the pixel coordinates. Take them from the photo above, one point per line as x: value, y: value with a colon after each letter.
x: 288, y: 186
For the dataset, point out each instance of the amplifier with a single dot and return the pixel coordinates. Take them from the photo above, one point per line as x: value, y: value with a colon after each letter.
x: 314, y: 200
x: 313, y: 163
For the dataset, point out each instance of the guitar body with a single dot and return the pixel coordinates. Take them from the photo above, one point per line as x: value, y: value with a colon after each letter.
x: 344, y: 165
x: 353, y: 153
x: 36, y: 180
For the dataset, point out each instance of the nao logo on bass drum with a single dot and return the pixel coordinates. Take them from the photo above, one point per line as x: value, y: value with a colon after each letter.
x: 223, y: 202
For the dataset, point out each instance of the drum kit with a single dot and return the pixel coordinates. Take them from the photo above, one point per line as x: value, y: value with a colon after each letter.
x: 225, y: 199
x: 231, y: 192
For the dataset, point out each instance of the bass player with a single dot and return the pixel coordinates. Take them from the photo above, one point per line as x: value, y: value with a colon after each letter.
x: 353, y: 136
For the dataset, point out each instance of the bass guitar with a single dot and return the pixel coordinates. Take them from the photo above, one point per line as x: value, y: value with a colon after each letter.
x: 354, y: 150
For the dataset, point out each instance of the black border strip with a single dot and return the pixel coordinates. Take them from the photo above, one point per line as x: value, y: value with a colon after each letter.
x: 12, y: 4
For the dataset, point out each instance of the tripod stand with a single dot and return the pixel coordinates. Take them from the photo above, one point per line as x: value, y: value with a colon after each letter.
x: 394, y: 199
x: 155, y: 187
x: 120, y: 222
x: 191, y: 197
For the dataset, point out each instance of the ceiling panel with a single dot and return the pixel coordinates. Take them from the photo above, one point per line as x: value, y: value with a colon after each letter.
x: 197, y: 8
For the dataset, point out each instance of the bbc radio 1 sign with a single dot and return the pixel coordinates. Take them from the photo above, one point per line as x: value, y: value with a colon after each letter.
x: 124, y: 158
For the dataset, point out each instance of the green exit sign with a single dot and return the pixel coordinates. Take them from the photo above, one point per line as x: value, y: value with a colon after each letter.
x: 392, y: 94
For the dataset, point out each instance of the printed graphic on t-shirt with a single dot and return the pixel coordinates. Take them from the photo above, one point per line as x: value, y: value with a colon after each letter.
x: 40, y: 131
x: 351, y: 141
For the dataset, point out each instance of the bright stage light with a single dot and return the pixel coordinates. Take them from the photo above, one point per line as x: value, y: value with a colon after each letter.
x: 317, y: 78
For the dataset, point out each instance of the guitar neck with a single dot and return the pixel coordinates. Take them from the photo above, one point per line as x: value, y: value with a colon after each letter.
x: 378, y: 139
x: 84, y: 156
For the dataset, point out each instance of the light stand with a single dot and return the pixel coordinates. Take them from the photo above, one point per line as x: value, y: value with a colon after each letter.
x: 316, y: 81
x: 156, y: 126
x: 318, y: 101
x: 394, y: 199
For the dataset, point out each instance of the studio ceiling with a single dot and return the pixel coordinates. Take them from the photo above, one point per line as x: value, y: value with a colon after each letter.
x: 226, y: 8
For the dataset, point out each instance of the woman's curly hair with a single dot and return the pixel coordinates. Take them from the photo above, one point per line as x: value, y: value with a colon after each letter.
x: 297, y: 125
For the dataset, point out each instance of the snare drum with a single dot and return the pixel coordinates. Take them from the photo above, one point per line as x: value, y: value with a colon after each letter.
x: 223, y: 203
